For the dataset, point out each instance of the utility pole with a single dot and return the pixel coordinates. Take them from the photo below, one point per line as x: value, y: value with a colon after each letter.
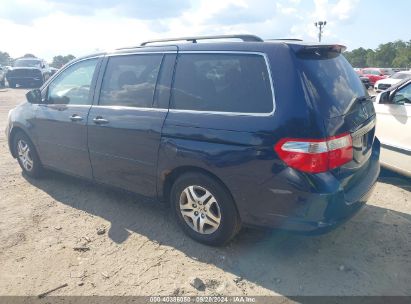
x: 320, y: 25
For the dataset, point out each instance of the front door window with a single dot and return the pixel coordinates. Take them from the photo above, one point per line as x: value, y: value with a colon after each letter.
x: 403, y: 95
x: 72, y: 86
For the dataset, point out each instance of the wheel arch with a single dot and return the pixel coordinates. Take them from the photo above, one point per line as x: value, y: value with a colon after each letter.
x: 15, y: 130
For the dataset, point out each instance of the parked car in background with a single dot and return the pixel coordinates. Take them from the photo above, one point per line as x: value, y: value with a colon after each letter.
x: 366, y: 82
x: 383, y: 84
x: 210, y: 127
x: 53, y: 70
x: 393, y: 108
x: 375, y: 74
x: 6, y: 68
x: 28, y: 71
x: 2, y: 76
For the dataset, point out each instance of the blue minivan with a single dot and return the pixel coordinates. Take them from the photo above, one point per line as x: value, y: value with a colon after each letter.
x: 276, y: 133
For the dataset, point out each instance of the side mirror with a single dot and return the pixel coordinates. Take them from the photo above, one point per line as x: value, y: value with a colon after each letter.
x: 384, y: 97
x: 34, y: 96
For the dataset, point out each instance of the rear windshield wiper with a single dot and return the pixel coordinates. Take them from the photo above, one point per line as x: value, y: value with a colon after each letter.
x: 362, y: 99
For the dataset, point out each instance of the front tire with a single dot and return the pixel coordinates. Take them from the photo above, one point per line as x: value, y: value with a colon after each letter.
x: 204, y: 209
x: 12, y: 84
x: 27, y: 155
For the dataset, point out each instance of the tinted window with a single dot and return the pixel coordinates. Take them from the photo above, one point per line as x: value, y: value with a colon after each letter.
x: 130, y: 80
x: 27, y: 63
x: 403, y: 95
x: 223, y: 83
x: 332, y: 83
x: 72, y: 86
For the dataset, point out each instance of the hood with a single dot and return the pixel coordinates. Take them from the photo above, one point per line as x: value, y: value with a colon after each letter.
x: 390, y: 81
x: 23, y: 68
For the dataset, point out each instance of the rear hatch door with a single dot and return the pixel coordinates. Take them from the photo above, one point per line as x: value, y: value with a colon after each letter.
x: 337, y: 94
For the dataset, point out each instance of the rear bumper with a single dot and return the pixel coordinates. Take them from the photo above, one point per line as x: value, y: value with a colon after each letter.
x: 322, y: 207
x: 330, y: 219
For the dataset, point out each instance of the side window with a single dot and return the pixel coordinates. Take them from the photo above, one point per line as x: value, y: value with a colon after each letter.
x: 403, y: 95
x: 130, y: 80
x: 72, y: 86
x: 222, y: 83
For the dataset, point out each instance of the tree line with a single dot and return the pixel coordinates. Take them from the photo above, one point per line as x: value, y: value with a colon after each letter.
x: 395, y: 54
x: 57, y: 62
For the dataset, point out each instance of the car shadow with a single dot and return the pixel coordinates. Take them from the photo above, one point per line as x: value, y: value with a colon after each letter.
x: 395, y: 179
x: 369, y: 255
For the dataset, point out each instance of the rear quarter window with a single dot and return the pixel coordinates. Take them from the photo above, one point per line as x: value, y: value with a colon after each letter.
x: 222, y: 83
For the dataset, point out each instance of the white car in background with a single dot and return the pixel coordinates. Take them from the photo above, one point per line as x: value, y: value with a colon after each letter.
x: 2, y: 76
x: 383, y: 84
x: 393, y: 108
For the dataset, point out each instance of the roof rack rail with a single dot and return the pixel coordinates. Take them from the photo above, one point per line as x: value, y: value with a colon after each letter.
x: 245, y: 38
x: 285, y: 39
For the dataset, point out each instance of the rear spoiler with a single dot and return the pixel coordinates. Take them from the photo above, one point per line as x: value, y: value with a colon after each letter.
x: 320, y: 51
x: 321, y: 48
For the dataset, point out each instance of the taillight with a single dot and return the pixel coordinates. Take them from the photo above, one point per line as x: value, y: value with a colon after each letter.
x: 316, y: 155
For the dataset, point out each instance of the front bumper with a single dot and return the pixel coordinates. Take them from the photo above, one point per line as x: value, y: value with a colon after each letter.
x: 25, y: 79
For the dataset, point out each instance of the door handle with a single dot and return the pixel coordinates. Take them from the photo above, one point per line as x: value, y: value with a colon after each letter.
x: 100, y: 120
x: 76, y: 117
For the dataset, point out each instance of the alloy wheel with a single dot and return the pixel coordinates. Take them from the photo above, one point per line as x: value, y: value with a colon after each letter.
x: 200, y: 209
x: 23, y: 151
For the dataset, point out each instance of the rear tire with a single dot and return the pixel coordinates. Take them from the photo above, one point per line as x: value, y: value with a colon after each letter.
x: 27, y: 156
x: 204, y: 209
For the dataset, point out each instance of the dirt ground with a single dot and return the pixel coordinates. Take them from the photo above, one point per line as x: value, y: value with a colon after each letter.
x: 48, y: 237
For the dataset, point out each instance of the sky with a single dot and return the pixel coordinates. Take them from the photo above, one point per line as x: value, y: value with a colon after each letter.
x: 48, y: 28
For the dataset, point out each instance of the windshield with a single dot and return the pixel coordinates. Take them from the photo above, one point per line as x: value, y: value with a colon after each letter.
x: 27, y: 63
x: 332, y: 83
x: 401, y: 76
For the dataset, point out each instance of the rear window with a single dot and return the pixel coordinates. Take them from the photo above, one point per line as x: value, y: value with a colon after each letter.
x: 130, y: 80
x: 27, y: 63
x: 222, y: 83
x: 331, y: 82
